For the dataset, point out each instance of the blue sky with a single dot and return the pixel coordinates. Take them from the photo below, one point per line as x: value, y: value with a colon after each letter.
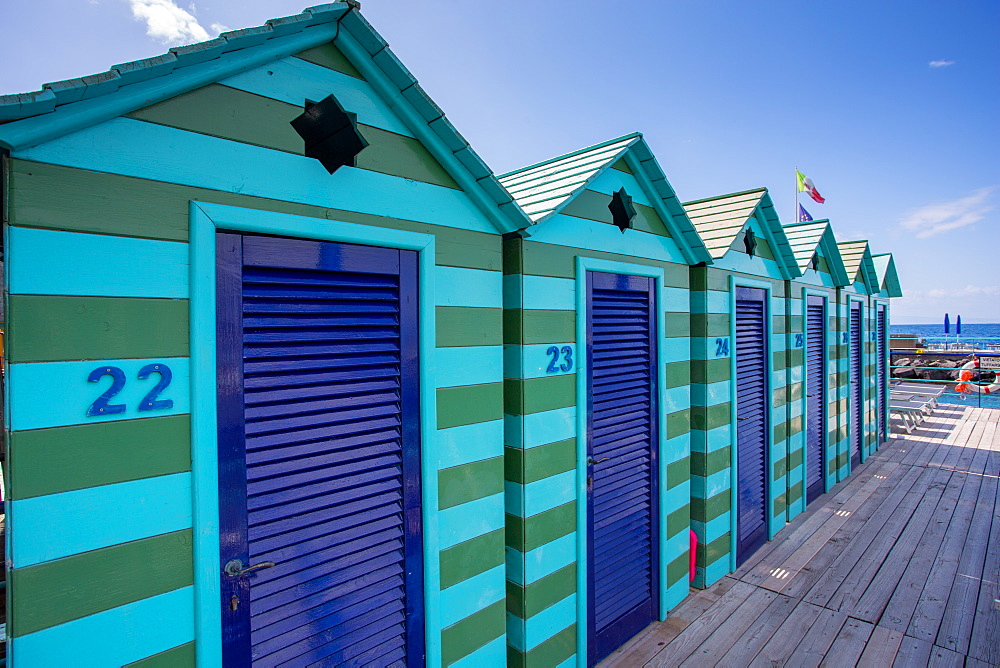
x: 892, y: 107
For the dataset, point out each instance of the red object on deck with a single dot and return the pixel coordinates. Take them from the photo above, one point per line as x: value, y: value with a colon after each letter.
x: 694, y: 553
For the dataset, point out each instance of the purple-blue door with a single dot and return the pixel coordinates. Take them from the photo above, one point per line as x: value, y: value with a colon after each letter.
x: 319, y: 453
x: 752, y: 423
x: 622, y: 429
x: 856, y: 404
x: 815, y: 396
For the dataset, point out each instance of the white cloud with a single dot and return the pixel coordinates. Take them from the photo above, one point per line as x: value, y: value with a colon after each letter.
x: 168, y: 23
x: 941, y: 63
x: 218, y: 28
x: 934, y: 219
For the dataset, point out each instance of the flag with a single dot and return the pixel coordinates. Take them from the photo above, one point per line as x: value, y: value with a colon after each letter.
x: 806, y: 186
x: 804, y: 216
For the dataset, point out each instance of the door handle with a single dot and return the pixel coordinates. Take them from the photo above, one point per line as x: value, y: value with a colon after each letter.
x: 592, y: 461
x: 234, y: 567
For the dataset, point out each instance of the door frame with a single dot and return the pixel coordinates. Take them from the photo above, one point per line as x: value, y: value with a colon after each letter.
x: 768, y: 288
x: 583, y: 265
x: 205, y: 220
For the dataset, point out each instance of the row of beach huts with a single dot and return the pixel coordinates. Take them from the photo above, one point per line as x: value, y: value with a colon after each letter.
x: 293, y: 379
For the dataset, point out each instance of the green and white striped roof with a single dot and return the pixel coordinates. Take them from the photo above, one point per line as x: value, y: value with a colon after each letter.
x: 542, y: 190
x: 807, y: 237
x: 888, y: 279
x: 858, y: 263
x: 719, y: 220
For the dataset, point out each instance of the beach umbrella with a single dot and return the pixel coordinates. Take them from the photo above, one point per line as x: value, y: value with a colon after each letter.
x: 947, y: 324
x: 958, y: 325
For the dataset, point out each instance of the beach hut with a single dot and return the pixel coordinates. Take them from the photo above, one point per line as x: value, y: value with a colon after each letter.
x: 596, y: 373
x: 740, y: 423
x: 812, y: 359
x: 889, y: 287
x: 254, y: 367
x: 857, y: 356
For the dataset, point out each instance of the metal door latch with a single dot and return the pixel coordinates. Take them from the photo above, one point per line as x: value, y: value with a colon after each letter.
x: 234, y: 567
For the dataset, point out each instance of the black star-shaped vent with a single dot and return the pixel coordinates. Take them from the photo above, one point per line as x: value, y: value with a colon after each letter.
x: 622, y: 211
x: 331, y: 134
x: 815, y: 261
x: 750, y: 242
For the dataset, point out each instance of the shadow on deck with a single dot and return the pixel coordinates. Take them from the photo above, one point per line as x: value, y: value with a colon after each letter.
x: 897, y: 565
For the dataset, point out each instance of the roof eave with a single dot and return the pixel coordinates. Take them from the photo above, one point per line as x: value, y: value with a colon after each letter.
x: 783, y: 253
x: 834, y: 260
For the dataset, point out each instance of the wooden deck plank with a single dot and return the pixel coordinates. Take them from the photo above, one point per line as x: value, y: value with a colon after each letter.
x: 748, y: 645
x: 847, y: 649
x: 818, y: 639
x: 985, y: 642
x: 795, y: 627
x: 726, y: 635
x: 913, y: 653
x: 881, y: 648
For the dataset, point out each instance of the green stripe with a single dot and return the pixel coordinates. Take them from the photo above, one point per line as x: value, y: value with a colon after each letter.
x: 678, y: 570
x: 779, y: 468
x: 679, y: 520
x: 50, y: 329
x: 468, y: 482
x: 717, y: 549
x: 592, y: 205
x: 678, y: 374
x: 538, y: 463
x: 678, y: 423
x: 65, y: 198
x: 794, y: 493
x: 469, y: 404
x: 535, y: 395
x: 542, y: 259
x: 472, y: 557
x: 676, y: 325
x: 552, y: 652
x: 706, y: 510
x: 709, y: 278
x: 678, y: 472
x: 541, y: 327
x: 228, y: 113
x: 710, y: 371
x: 460, y: 326
x: 526, y: 602
x: 706, y: 464
x: 178, y: 657
x: 779, y: 506
x: 525, y: 534
x: 710, y: 417
x: 780, y: 434
x: 330, y: 57
x: 60, y: 591
x: 465, y: 637
x: 62, y: 459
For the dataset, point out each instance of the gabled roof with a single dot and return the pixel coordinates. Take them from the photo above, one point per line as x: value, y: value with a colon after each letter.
x: 888, y: 279
x: 542, y: 190
x: 29, y: 119
x: 858, y: 259
x: 806, y: 237
x: 719, y: 220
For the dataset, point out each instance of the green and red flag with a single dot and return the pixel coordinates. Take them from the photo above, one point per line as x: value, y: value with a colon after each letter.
x: 806, y: 186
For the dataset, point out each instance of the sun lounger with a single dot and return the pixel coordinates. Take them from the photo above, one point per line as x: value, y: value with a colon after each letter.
x: 932, y: 392
x: 911, y: 412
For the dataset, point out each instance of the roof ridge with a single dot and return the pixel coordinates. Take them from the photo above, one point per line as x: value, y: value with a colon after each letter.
x: 741, y: 192
x: 594, y: 147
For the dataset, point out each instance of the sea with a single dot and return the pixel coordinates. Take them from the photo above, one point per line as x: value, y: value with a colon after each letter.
x: 979, y: 333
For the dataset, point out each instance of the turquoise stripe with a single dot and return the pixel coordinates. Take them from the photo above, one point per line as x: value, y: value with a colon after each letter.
x: 53, y: 394
x: 46, y: 262
x: 611, y: 181
x: 676, y: 300
x: 542, y: 626
x: 112, y: 637
x: 675, y: 399
x: 457, y: 286
x: 714, y: 528
x: 549, y: 426
x: 754, y: 266
x: 493, y: 653
x: 294, y: 81
x: 563, y: 230
x: 469, y: 443
x: 535, y: 359
x: 710, y: 394
x: 718, y: 438
x: 706, y: 488
x: 546, y: 292
x: 470, y: 596
x: 717, y: 570
x: 58, y: 525
x: 469, y: 520
x: 524, y: 569
x: 539, y: 496
x: 134, y: 148
x: 675, y: 349
x: 512, y: 291
x: 571, y: 661
x: 472, y: 365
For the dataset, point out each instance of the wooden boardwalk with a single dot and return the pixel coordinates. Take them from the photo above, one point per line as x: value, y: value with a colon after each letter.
x: 897, y: 565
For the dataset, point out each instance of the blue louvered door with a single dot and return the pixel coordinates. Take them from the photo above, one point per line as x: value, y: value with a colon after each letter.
x: 815, y: 396
x: 752, y: 424
x: 622, y: 463
x: 856, y: 408
x: 319, y: 453
x: 881, y: 382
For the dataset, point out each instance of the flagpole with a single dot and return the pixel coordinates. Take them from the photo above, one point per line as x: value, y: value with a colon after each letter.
x: 795, y: 217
